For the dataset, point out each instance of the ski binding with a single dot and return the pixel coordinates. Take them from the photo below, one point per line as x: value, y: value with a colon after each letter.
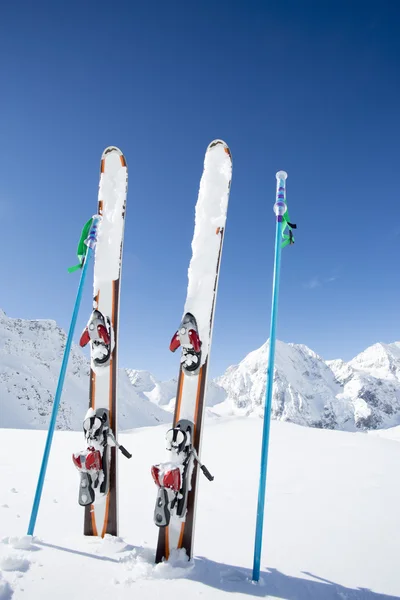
x: 98, y: 332
x: 93, y: 463
x: 187, y: 337
x: 173, y: 478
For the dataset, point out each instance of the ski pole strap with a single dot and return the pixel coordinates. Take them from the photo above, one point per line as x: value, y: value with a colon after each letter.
x: 287, y: 238
x: 87, y: 240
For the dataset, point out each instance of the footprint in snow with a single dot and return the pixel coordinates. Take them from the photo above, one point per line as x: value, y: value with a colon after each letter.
x: 24, y: 542
x: 6, y: 591
x: 14, y: 562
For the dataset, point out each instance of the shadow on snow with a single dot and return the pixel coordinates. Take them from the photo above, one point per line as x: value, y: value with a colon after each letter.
x: 79, y: 552
x: 273, y: 583
x: 276, y: 584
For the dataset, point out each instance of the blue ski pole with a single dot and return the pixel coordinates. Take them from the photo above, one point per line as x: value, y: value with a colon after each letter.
x: 90, y: 242
x: 280, y: 209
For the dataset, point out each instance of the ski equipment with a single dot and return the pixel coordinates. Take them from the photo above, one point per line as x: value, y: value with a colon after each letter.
x: 281, y: 240
x: 90, y: 231
x: 98, y: 332
x: 93, y: 463
x: 177, y: 478
x: 187, y: 337
x: 98, y: 463
x: 83, y: 245
x: 173, y: 478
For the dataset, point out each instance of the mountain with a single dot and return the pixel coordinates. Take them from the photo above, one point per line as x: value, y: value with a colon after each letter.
x: 372, y: 382
x: 158, y: 392
x: 361, y: 394
x: 30, y: 359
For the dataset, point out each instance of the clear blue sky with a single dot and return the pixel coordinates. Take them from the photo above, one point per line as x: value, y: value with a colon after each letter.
x: 309, y: 87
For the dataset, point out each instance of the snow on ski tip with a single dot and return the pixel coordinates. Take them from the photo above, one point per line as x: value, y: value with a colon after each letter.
x: 210, y: 220
x: 112, y: 198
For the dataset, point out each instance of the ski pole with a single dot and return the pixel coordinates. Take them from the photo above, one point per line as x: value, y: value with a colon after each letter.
x: 90, y: 242
x: 280, y: 209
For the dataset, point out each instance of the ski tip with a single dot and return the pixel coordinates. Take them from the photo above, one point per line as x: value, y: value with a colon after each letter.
x: 112, y: 150
x: 216, y: 143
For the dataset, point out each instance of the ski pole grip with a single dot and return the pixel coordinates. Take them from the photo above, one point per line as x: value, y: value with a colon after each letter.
x: 207, y: 473
x: 280, y: 203
x: 125, y: 452
x: 92, y: 235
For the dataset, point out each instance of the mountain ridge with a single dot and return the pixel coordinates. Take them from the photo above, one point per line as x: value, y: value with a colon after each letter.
x: 361, y: 394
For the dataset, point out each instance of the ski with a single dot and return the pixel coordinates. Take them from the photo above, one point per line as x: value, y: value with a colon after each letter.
x: 97, y: 464
x: 176, y: 478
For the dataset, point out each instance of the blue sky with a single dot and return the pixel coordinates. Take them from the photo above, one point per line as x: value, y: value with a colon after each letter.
x: 309, y: 87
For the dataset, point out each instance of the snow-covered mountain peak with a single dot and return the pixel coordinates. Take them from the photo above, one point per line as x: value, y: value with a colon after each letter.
x: 158, y: 392
x: 30, y: 358
x: 303, y: 384
x: 363, y: 393
x: 380, y: 360
x: 141, y: 380
x: 305, y: 350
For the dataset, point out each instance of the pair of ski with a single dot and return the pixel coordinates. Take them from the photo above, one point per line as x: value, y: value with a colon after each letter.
x: 176, y: 479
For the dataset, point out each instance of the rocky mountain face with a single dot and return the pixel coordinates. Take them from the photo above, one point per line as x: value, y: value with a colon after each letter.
x: 30, y: 358
x: 361, y: 394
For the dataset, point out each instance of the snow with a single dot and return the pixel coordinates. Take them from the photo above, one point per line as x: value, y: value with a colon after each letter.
x: 379, y: 360
x: 5, y: 589
x: 393, y: 433
x: 112, y: 192
x: 30, y: 359
x: 331, y: 519
x: 361, y: 394
x: 211, y: 208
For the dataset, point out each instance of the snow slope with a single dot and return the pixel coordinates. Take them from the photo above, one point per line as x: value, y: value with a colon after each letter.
x: 30, y: 360
x: 361, y: 394
x: 330, y: 532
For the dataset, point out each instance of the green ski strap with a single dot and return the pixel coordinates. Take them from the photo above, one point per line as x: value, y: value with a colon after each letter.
x: 82, y: 248
x: 287, y: 238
